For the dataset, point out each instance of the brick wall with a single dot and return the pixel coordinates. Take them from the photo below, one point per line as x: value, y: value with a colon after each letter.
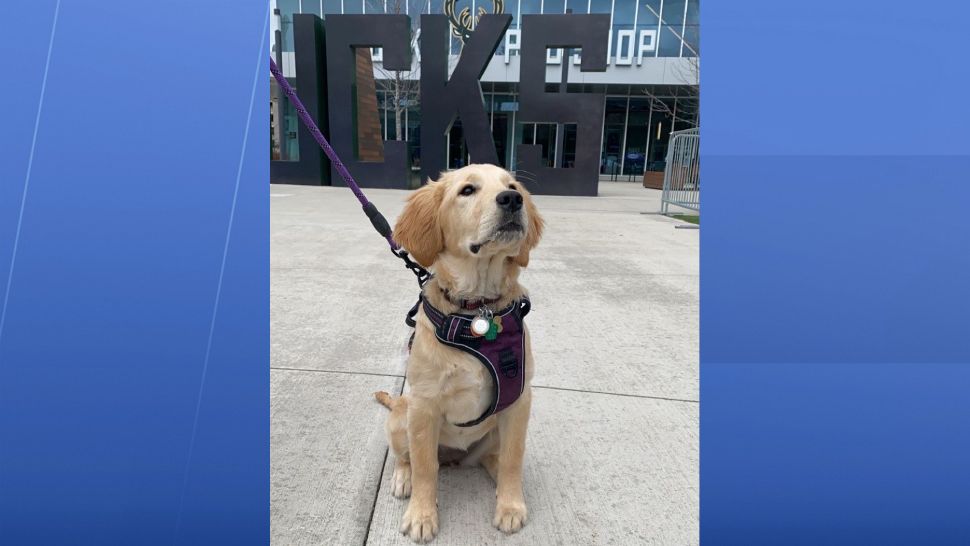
x: 370, y: 141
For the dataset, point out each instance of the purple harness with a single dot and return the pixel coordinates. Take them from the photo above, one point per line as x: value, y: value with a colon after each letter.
x: 503, y: 357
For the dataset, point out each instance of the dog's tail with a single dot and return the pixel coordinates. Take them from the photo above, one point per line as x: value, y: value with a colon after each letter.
x: 385, y: 399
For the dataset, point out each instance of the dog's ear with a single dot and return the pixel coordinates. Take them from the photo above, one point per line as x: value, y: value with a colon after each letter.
x: 536, y: 223
x: 417, y: 229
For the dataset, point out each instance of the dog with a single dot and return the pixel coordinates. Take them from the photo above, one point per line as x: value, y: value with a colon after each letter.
x: 474, y: 229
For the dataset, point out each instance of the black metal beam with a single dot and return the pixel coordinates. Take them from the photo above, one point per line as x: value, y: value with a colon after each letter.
x: 539, y: 32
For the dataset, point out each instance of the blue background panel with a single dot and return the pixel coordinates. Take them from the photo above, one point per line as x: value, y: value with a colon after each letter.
x: 144, y: 233
x: 835, y: 359
x: 826, y: 453
x: 835, y: 259
x: 834, y: 78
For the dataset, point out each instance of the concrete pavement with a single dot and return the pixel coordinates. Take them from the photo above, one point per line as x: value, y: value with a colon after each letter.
x: 612, y: 455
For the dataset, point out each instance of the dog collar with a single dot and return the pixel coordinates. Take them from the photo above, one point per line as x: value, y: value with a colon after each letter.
x: 469, y: 305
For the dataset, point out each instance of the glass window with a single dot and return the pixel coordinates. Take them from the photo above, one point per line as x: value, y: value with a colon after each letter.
x: 509, y: 8
x: 637, y: 130
x: 413, y: 119
x: 456, y: 42
x: 379, y: 6
x: 546, y: 138
x: 332, y: 6
x: 528, y: 133
x: 578, y: 6
x: 457, y: 151
x: 382, y: 112
x: 512, y: 8
x: 542, y: 135
x: 648, y: 11
x: 414, y: 150
x: 674, y: 12
x: 687, y: 111
x: 623, y: 13
x: 310, y: 6
x: 391, y: 124
x: 659, y: 133
x: 569, y: 146
x: 600, y: 6
x: 284, y: 127
x: 614, y: 122
x: 692, y: 29
x: 647, y: 20
x: 673, y: 20
x: 415, y: 8
x: 287, y: 9
x: 530, y: 7
x: 506, y: 103
x: 353, y: 7
x: 501, y: 121
x: 554, y: 6
x: 274, y: 128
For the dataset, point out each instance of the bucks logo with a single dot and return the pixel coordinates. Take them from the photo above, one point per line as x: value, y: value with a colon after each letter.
x: 463, y: 24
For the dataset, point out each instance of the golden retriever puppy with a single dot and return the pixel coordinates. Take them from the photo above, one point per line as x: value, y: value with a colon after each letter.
x: 471, y: 365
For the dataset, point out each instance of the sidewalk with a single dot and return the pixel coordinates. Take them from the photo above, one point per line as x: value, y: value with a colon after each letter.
x: 612, y: 454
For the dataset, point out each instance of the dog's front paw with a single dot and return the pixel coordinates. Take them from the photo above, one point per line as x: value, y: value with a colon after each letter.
x: 510, y: 516
x: 420, y: 523
x: 401, y: 481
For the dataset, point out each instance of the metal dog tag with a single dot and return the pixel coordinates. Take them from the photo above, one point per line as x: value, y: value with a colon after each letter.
x: 480, y: 326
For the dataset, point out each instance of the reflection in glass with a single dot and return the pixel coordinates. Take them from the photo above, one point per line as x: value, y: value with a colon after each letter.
x: 284, y: 127
x: 613, y: 135
x: 637, y: 129
x: 287, y: 9
x: 673, y: 21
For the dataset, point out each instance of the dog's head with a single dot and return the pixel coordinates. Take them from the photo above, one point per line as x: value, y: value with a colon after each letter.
x: 475, y: 211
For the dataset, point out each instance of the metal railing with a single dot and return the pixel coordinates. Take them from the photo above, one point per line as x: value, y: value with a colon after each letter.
x: 681, y: 174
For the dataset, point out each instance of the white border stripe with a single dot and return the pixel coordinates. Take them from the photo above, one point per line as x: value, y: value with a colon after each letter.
x: 222, y: 270
x: 30, y: 165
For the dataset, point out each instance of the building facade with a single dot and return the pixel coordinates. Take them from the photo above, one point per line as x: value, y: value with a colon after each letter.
x: 651, y: 84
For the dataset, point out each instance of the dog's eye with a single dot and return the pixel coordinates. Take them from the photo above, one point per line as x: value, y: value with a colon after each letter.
x: 467, y: 190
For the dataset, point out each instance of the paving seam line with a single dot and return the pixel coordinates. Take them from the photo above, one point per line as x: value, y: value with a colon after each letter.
x: 380, y: 482
x: 664, y: 398
x: 345, y: 372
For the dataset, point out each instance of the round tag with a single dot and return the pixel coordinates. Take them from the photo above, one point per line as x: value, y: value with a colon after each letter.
x: 480, y: 326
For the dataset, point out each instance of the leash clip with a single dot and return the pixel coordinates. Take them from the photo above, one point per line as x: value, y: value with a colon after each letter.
x: 421, y: 273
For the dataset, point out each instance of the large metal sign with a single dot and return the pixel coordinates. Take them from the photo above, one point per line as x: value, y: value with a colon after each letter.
x: 447, y: 98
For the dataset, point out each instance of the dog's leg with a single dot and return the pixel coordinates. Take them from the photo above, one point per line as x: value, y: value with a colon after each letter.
x: 485, y: 453
x: 490, y: 462
x: 397, y: 438
x: 510, y: 510
x: 420, y: 520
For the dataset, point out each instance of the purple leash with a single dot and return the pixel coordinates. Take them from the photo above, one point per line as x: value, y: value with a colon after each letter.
x: 376, y: 218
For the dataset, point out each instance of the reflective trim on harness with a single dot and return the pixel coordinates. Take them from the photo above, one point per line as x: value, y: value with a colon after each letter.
x: 503, y: 357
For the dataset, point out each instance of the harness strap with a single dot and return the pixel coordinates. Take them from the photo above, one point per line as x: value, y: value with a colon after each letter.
x: 503, y: 358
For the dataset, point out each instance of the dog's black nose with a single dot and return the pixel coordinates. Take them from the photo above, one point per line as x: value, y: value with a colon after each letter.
x: 509, y: 200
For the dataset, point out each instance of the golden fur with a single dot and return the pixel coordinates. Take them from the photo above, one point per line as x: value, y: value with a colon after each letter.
x: 439, y: 226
